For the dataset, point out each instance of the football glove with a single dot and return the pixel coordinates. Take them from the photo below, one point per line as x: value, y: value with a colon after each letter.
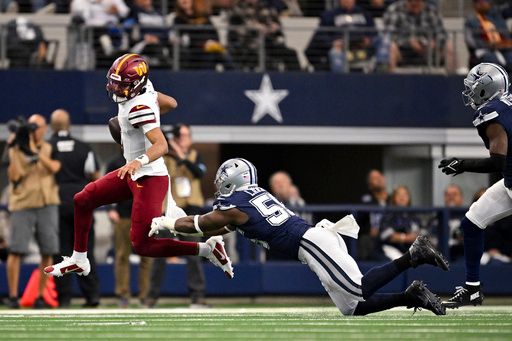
x: 452, y: 166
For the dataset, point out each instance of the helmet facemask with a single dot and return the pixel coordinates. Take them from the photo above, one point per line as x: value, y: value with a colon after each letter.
x: 468, y: 95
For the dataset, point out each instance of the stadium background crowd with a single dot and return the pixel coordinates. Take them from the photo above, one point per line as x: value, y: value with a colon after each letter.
x: 372, y: 36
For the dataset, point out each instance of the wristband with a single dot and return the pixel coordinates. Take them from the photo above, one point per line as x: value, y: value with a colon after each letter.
x: 196, y: 223
x: 143, y: 159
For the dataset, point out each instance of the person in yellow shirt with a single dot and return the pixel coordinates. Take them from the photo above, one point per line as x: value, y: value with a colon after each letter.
x: 33, y: 202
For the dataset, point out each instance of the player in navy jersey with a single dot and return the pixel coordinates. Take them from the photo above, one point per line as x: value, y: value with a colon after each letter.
x: 486, y: 91
x: 240, y: 204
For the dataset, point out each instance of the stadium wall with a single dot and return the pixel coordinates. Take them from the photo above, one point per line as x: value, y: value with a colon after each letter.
x: 283, y: 278
x: 213, y: 99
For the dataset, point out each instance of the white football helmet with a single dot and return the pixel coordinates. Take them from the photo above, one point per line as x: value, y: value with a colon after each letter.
x: 233, y: 174
x: 483, y: 83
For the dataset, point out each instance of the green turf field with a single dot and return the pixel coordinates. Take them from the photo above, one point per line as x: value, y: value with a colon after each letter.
x: 488, y: 323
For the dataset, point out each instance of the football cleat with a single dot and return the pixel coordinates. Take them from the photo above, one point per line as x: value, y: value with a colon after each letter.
x: 68, y: 265
x: 421, y: 297
x: 423, y: 252
x: 219, y: 257
x: 466, y: 295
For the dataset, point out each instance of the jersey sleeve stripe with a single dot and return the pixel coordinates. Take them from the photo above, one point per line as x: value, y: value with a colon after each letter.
x: 484, y: 118
x: 140, y: 118
x: 138, y: 124
x: 140, y: 114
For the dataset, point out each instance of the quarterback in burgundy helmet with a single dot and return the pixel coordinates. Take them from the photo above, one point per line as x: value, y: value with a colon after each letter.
x: 143, y: 179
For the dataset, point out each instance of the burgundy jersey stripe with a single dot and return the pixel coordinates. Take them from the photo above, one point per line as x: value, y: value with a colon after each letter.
x: 136, y: 125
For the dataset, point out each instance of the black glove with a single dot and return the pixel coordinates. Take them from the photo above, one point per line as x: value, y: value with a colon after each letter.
x: 452, y: 166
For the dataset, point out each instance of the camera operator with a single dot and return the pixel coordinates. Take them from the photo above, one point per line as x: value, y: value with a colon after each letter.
x: 186, y: 169
x: 33, y: 200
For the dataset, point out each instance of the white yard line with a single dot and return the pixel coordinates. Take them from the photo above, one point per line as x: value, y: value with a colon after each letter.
x: 218, y: 311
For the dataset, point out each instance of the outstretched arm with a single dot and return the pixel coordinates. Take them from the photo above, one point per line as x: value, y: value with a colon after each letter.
x: 166, y: 103
x: 210, y: 224
x: 498, y: 148
x: 214, y: 221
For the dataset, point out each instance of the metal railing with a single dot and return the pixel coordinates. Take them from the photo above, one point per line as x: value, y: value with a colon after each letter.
x: 86, y: 48
x: 224, y: 48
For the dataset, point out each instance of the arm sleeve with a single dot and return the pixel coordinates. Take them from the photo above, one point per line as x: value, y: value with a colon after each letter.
x: 493, y: 164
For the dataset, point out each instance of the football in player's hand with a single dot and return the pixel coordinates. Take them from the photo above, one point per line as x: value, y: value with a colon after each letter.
x: 115, y: 129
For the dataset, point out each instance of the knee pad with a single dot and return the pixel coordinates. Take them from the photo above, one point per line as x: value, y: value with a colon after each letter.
x: 83, y: 197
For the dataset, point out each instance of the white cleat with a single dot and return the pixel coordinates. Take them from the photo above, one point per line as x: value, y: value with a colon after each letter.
x: 219, y: 257
x: 68, y: 265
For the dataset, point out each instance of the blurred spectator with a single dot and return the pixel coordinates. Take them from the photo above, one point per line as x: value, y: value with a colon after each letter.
x: 487, y: 36
x: 200, y: 46
x: 453, y: 198
x: 187, y: 169
x: 285, y: 8
x: 327, y: 49
x: 22, y: 6
x: 398, y: 230
x: 120, y: 217
x: 98, y: 13
x: 103, y: 16
x: 418, y: 35
x: 370, y: 221
x: 78, y: 166
x: 375, y: 8
x: 149, y: 34
x: 283, y: 188
x: 33, y: 200
x: 254, y: 21
x: 5, y: 224
x: 26, y: 46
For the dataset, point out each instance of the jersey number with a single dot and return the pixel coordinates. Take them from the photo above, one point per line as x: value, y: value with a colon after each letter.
x: 270, y: 208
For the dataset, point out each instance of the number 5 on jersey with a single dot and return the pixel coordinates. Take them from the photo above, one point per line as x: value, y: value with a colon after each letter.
x: 270, y: 208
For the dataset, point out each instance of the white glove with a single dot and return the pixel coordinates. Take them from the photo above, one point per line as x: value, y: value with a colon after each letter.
x: 162, y: 223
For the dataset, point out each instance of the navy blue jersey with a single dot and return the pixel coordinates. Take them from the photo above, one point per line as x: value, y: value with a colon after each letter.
x: 497, y: 111
x: 270, y: 223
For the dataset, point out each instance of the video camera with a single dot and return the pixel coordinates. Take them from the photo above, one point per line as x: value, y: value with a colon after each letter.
x: 22, y: 129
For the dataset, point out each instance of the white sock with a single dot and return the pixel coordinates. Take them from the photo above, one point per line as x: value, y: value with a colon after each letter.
x: 473, y: 283
x: 204, y: 250
x: 79, y: 256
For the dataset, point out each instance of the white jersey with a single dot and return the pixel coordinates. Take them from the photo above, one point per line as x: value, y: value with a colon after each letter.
x: 138, y: 116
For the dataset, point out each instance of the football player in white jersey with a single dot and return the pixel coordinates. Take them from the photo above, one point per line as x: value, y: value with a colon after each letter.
x: 144, y: 178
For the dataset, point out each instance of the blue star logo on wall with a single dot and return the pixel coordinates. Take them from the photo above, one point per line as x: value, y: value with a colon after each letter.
x: 266, y: 100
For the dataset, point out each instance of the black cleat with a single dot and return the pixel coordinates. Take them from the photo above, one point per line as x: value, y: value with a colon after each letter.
x: 11, y: 302
x: 421, y: 297
x: 423, y: 252
x: 466, y: 295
